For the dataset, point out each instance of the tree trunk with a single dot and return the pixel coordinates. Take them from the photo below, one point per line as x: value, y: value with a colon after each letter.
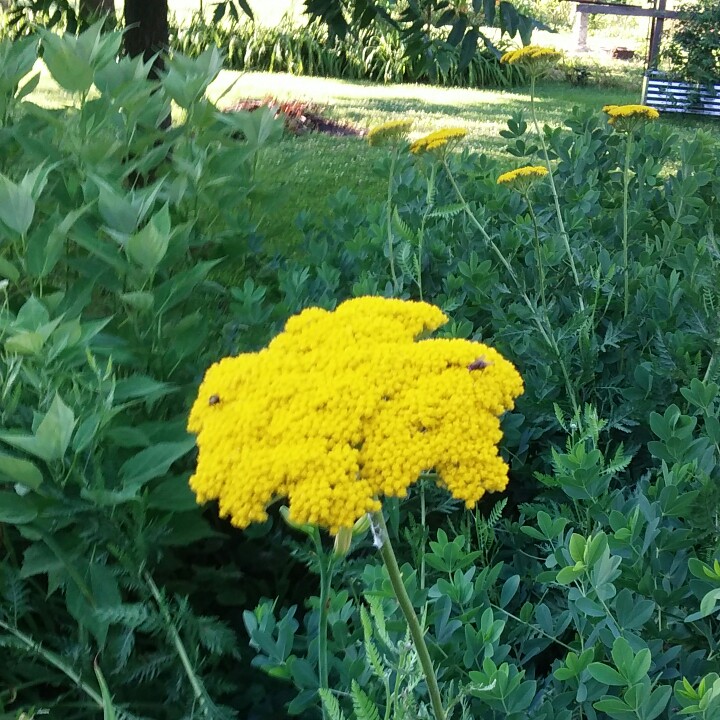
x: 147, y: 30
x: 580, y: 31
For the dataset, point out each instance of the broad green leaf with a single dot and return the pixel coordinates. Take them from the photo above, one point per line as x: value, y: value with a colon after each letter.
x: 606, y: 675
x: 154, y: 461
x: 8, y: 270
x: 173, y: 494
x: 147, y: 248
x: 72, y: 72
x: 17, y: 206
x: 20, y: 471
x: 25, y: 343
x: 16, y: 509
x: 56, y: 429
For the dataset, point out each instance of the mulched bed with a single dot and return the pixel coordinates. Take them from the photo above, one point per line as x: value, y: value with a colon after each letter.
x: 302, y: 117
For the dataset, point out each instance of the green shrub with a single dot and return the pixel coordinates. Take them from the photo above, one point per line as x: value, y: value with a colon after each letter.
x: 109, y: 230
x: 375, y: 53
x: 693, y: 49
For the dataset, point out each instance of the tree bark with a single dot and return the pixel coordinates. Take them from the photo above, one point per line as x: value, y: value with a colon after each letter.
x: 147, y: 32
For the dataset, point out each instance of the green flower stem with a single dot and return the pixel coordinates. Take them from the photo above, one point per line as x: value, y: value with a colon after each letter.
x: 195, y: 682
x: 416, y: 631
x: 55, y: 660
x: 546, y: 333
x: 556, y: 198
x: 538, y: 258
x: 390, y: 246
x: 325, y: 563
x: 626, y: 187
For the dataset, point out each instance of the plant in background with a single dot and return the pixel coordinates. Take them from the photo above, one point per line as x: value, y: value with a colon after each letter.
x: 344, y: 408
x: 693, y: 47
x: 626, y: 119
x: 523, y: 180
x: 394, y: 134
x: 538, y: 61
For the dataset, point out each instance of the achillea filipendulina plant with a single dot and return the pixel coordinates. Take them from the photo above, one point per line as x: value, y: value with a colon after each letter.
x: 389, y: 132
x: 628, y: 117
x: 345, y: 407
x: 523, y: 177
x: 532, y: 57
x: 438, y: 140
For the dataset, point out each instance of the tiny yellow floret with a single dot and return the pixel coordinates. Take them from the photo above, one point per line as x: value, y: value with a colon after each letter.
x: 345, y: 407
x: 523, y: 176
x: 393, y: 131
x: 440, y: 139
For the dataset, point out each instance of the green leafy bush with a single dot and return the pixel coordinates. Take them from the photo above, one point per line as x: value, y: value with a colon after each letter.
x: 377, y: 52
x: 110, y: 228
x: 693, y: 50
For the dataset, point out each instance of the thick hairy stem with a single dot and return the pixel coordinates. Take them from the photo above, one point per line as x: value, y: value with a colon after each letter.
x: 325, y: 565
x: 416, y: 631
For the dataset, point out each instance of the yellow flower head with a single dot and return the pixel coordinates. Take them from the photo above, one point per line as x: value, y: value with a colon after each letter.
x: 389, y: 132
x: 523, y: 178
x: 344, y: 407
x: 627, y: 117
x: 532, y: 56
x: 438, y: 140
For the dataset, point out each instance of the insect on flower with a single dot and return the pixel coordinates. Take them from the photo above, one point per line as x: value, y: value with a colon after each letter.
x: 214, y: 400
x: 479, y: 364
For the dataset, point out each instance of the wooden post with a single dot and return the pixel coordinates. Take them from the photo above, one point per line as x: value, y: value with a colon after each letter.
x: 656, y: 36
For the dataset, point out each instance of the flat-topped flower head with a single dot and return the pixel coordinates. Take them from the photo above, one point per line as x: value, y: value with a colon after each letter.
x: 534, y: 58
x: 628, y: 117
x: 523, y: 178
x: 390, y: 132
x: 440, y: 140
x: 345, y: 407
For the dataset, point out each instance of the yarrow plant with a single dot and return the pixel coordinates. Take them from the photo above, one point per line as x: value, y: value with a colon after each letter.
x: 523, y: 177
x: 389, y: 132
x: 438, y: 140
x: 626, y: 119
x: 534, y: 57
x: 345, y: 407
x: 392, y: 133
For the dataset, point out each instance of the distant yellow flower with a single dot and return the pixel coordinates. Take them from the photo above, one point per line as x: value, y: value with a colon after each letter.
x: 345, y: 407
x: 523, y: 177
x: 531, y: 55
x: 440, y: 139
x: 625, y: 117
x: 389, y: 132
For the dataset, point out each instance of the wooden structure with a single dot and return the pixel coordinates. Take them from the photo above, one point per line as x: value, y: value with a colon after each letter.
x: 659, y: 91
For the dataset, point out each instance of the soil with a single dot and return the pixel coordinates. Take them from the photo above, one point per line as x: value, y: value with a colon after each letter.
x: 302, y: 117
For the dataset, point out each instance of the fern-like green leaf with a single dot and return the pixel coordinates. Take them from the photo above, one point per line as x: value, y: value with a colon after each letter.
x: 331, y: 705
x: 364, y: 707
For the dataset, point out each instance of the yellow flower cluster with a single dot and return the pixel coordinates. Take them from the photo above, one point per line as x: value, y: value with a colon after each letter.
x: 531, y: 55
x: 523, y: 176
x: 389, y: 132
x: 623, y: 113
x: 344, y: 407
x: 437, y: 140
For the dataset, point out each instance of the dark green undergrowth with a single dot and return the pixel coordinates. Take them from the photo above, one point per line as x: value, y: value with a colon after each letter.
x: 590, y: 589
